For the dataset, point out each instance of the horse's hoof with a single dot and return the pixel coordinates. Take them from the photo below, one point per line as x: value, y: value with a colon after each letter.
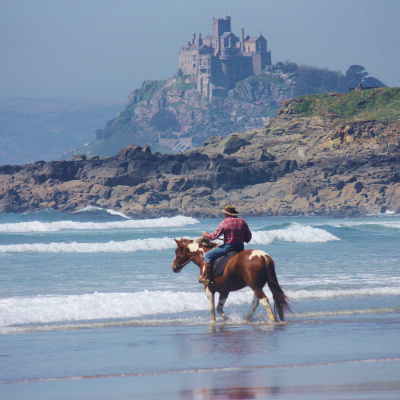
x: 226, y: 317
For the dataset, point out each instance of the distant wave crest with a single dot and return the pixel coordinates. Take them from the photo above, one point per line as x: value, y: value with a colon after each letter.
x: 101, y: 209
x: 376, y: 223
x: 108, y: 247
x: 38, y: 226
x: 293, y: 233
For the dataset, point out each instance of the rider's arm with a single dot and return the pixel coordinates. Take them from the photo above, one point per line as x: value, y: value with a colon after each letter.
x: 248, y: 234
x: 218, y: 232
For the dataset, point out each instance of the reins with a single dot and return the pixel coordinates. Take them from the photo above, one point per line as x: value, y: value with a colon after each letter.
x: 187, y: 262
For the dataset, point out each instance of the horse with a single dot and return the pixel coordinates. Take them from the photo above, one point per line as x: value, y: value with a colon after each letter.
x: 253, y: 268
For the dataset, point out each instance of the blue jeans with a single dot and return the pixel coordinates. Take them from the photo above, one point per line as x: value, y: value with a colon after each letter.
x: 220, y: 251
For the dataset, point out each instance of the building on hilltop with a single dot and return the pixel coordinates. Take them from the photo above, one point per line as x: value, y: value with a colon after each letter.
x: 220, y: 60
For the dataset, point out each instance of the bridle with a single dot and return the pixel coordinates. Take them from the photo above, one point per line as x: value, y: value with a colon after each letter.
x: 180, y: 264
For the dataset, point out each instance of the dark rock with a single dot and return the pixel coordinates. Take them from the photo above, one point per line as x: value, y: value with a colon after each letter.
x: 293, y: 166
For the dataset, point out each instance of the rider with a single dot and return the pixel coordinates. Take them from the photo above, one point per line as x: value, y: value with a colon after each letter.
x: 235, y: 231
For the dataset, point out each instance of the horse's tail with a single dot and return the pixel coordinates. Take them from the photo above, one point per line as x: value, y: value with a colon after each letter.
x: 281, y: 301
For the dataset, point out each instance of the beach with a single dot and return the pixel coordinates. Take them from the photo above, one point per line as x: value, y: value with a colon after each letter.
x: 114, y: 322
x: 329, y: 358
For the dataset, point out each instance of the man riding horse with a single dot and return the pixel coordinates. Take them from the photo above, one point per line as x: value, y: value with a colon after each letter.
x: 235, y: 231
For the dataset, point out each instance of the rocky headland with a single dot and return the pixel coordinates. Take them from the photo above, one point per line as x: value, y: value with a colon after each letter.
x: 171, y: 115
x: 335, y: 154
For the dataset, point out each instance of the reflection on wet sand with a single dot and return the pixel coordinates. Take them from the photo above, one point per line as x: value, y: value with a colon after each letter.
x: 231, y: 393
x: 372, y: 390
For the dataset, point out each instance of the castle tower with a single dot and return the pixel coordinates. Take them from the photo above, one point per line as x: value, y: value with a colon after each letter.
x: 221, y: 25
x: 216, y: 62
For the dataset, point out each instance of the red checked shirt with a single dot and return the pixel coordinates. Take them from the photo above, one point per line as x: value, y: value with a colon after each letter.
x: 234, y: 229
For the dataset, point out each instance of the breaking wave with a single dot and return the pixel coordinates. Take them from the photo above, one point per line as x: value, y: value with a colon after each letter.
x: 108, y: 247
x: 384, y: 224
x: 89, y: 209
x: 294, y: 233
x: 146, y: 304
x: 38, y: 226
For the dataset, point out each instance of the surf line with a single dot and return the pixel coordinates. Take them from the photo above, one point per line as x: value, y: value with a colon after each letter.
x: 200, y: 370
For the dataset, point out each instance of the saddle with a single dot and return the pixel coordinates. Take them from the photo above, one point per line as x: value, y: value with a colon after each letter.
x: 220, y: 263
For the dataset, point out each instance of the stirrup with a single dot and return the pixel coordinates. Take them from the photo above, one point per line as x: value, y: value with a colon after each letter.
x: 204, y: 280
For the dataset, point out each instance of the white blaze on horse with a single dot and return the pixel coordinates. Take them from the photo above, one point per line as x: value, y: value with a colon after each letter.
x: 253, y: 268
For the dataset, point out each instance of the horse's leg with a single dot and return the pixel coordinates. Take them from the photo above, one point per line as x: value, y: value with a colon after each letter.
x: 264, y: 301
x: 221, y: 303
x: 210, y: 297
x: 254, y: 305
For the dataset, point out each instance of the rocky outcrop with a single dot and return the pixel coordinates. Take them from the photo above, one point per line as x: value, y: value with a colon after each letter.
x: 164, y: 112
x: 295, y: 165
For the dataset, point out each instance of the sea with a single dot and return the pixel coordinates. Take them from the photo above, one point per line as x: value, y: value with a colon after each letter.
x: 91, y: 309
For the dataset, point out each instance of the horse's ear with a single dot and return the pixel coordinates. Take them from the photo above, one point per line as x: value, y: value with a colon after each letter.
x: 176, y: 241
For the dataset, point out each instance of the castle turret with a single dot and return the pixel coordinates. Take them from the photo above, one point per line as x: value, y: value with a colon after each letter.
x: 221, y: 25
x: 220, y: 60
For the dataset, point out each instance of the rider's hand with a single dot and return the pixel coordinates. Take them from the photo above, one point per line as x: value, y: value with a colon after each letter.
x: 205, y: 235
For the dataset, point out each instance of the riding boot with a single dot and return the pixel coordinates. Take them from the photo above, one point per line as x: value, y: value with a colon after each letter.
x: 208, y: 270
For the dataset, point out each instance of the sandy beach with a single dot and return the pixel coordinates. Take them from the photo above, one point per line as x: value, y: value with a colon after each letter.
x: 325, y: 358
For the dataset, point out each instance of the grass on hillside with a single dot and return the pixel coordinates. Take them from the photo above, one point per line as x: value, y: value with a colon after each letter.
x: 381, y: 104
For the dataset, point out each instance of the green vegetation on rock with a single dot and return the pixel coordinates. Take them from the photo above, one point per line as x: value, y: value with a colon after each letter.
x: 381, y: 104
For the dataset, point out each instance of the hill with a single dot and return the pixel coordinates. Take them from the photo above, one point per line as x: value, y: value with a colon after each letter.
x: 320, y: 155
x: 172, y: 115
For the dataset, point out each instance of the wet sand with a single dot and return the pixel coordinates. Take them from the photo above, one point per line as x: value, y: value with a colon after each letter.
x: 365, y: 380
x: 355, y: 357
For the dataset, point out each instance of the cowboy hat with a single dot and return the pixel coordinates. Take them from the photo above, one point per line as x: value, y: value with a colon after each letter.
x: 231, y: 210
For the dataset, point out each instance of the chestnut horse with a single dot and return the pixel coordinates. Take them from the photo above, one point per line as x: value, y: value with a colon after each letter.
x: 253, y: 268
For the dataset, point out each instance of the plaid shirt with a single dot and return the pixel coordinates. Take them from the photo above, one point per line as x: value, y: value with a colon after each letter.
x: 235, y: 231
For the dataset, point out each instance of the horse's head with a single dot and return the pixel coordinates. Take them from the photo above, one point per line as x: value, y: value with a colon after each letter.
x: 184, y: 253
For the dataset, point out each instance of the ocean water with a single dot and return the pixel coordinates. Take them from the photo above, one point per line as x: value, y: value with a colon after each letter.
x: 90, y: 309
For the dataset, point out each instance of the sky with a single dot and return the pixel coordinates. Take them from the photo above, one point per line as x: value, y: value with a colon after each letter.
x: 104, y: 49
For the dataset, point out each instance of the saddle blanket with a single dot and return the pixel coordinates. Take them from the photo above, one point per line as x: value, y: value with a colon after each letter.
x: 220, y: 263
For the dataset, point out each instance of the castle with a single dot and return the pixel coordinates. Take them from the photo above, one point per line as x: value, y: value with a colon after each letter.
x: 218, y: 61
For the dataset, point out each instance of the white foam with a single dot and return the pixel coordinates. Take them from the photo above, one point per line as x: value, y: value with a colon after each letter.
x: 293, y: 233
x: 335, y: 293
x: 100, y: 306
x: 109, y: 211
x: 38, y: 226
x: 146, y: 304
x: 375, y: 222
x: 108, y: 247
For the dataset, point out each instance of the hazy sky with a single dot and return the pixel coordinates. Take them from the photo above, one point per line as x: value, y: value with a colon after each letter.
x: 103, y: 49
